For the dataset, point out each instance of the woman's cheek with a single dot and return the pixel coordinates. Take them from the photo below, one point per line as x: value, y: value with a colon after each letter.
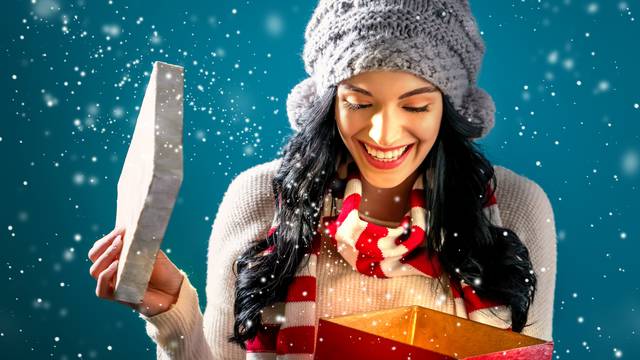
x: 431, y: 127
x: 348, y: 123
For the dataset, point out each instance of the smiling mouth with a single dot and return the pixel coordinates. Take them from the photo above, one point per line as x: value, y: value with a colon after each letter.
x: 385, y: 156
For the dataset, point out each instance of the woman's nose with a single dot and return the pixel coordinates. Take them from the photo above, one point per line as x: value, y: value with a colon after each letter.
x: 385, y: 130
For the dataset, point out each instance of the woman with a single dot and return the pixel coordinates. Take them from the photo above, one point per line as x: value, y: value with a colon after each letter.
x: 381, y: 199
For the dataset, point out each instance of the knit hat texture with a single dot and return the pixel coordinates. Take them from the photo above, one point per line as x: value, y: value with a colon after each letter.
x: 437, y: 40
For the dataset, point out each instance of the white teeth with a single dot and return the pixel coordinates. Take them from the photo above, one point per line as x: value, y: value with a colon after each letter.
x: 385, y: 156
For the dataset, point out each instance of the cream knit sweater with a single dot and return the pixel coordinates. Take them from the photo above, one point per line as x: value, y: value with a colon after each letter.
x: 245, y: 214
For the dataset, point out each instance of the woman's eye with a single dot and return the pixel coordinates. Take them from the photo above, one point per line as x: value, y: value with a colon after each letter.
x: 354, y: 107
x: 351, y: 106
x: 417, y: 109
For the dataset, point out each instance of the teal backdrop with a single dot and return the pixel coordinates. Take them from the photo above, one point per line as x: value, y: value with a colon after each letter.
x: 563, y: 75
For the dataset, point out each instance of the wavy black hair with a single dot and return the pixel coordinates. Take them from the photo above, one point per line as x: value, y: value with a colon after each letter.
x: 491, y: 259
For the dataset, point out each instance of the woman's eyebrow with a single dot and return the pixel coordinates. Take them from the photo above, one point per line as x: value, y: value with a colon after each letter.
x: 425, y: 89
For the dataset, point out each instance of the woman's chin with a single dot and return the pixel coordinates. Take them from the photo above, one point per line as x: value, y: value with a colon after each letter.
x: 383, y: 180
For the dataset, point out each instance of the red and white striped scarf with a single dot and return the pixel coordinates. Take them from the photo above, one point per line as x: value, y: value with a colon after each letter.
x: 289, y: 327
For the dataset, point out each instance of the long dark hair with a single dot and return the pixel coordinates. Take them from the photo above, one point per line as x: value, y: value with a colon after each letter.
x: 491, y: 259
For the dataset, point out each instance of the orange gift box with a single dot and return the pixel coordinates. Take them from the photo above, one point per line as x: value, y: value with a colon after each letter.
x: 415, y: 332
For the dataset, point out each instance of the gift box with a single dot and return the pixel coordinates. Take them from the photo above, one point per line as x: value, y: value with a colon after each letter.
x: 415, y: 332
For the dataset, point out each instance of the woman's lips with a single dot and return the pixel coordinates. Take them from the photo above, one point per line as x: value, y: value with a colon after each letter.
x: 385, y: 165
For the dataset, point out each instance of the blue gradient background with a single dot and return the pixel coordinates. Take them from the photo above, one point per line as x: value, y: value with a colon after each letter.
x: 563, y: 76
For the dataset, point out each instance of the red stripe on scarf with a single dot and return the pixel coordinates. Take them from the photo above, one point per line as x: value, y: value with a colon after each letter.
x: 417, y: 198
x: 352, y: 202
x: 296, y: 340
x: 473, y: 302
x: 419, y: 259
x: 369, y: 254
x: 454, y: 289
x: 369, y: 267
x: 265, y: 341
x: 492, y: 198
x: 271, y: 248
x: 332, y: 227
x: 316, y: 244
x: 272, y: 230
x: 367, y: 242
x: 302, y: 288
x: 415, y: 238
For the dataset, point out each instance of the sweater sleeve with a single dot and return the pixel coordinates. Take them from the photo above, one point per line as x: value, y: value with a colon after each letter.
x: 178, y: 332
x: 244, y: 215
x: 526, y: 209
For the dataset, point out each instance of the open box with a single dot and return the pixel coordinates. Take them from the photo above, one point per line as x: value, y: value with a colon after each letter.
x: 415, y: 332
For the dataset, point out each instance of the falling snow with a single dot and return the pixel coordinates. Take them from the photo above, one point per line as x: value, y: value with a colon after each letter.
x: 563, y: 75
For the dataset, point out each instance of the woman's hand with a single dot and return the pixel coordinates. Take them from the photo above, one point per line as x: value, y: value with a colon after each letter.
x: 164, y: 285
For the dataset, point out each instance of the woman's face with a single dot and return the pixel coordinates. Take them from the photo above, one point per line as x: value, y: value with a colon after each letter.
x: 392, y: 114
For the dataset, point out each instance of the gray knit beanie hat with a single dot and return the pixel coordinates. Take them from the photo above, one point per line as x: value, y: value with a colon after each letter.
x: 437, y: 40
